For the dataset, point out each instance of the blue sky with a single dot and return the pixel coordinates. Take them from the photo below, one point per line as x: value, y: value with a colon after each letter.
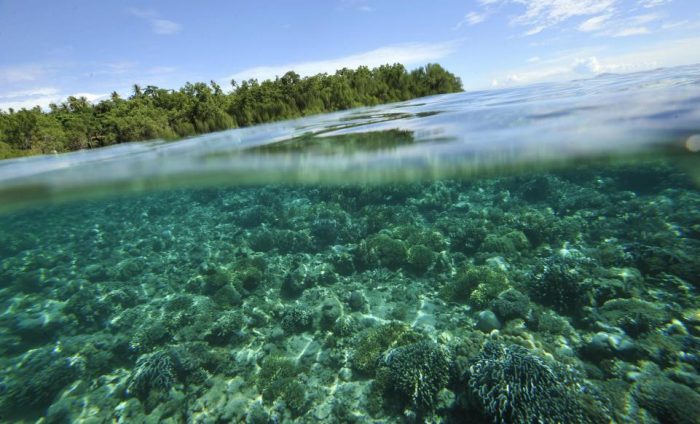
x: 53, y: 49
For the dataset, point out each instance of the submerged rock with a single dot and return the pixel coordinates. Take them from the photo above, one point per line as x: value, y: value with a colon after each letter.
x: 487, y: 321
x: 606, y: 345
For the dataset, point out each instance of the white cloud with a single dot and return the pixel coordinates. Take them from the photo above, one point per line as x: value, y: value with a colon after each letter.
x: 359, y: 5
x: 535, y: 30
x: 165, y: 27
x: 615, y: 26
x: 142, y: 13
x: 20, y: 73
x: 31, y: 92
x: 159, y: 70
x: 627, y: 32
x: 158, y: 25
x: 42, y: 97
x: 683, y: 24
x: 476, y: 17
x: 407, y: 54
x: 600, y: 16
x: 595, y: 23
x: 575, y: 64
x: 643, y: 19
x: 589, y: 65
x: 542, y: 14
x: 471, y: 18
x: 509, y: 80
x: 652, y: 3
x: 91, y: 97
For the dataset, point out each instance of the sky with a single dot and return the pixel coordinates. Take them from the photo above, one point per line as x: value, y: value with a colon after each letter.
x: 53, y: 49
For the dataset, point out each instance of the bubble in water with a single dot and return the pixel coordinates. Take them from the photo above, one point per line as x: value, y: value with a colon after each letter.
x: 693, y: 143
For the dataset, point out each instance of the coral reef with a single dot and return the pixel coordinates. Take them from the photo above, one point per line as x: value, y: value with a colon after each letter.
x: 667, y: 401
x: 371, y: 344
x: 479, y: 285
x: 418, y: 372
x: 512, y: 385
x: 153, y: 371
x: 358, y: 303
x: 278, y: 379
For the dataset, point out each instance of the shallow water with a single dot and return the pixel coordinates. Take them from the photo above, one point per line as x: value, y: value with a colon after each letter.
x: 521, y: 255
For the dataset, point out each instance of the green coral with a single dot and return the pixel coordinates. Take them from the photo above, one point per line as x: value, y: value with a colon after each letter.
x: 635, y: 316
x: 215, y: 278
x: 296, y: 319
x: 418, y: 235
x: 479, y: 285
x: 41, y: 374
x: 372, y: 343
x: 417, y: 372
x: 506, y: 244
x: 386, y: 251
x: 250, y: 272
x: 511, y: 304
x: 278, y: 379
x: 559, y: 282
x: 228, y: 327
x: 669, y: 402
x: 420, y: 258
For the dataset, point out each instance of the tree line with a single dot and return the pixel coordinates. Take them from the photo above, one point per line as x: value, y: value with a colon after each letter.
x: 196, y: 108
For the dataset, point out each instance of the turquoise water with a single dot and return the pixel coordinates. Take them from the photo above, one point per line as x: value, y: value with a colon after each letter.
x: 518, y: 255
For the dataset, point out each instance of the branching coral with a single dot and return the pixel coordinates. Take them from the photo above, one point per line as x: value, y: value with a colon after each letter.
x: 418, y: 372
x: 512, y: 385
x: 153, y: 371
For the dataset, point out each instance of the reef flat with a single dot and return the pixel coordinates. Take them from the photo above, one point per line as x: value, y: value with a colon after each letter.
x: 566, y: 296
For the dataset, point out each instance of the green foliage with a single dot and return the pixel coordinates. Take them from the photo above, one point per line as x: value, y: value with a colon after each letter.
x: 197, y: 108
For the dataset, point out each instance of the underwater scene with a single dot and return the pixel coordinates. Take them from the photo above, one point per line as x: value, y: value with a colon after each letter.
x: 525, y: 255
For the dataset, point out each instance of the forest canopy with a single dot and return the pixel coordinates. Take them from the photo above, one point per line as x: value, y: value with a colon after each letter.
x: 196, y: 108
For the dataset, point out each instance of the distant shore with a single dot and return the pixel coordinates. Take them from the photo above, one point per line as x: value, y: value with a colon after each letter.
x: 199, y: 108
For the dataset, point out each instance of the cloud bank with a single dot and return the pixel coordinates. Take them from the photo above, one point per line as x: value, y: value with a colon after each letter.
x: 407, y: 54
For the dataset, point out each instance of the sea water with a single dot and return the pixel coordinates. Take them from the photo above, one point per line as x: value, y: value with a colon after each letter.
x: 512, y: 256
